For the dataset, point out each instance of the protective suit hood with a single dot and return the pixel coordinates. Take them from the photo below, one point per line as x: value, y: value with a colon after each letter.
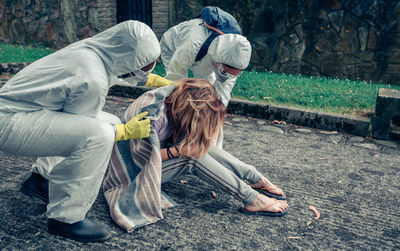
x: 231, y: 49
x: 126, y: 47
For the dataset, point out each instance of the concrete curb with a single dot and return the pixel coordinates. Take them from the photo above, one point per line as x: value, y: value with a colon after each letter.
x: 325, y: 121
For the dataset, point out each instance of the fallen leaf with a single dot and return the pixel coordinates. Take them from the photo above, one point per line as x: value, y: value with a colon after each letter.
x: 266, y: 97
x: 214, y: 194
x: 308, y: 223
x: 294, y: 237
x: 315, y: 211
x: 183, y: 181
x: 328, y: 132
x: 323, y: 158
x: 228, y: 123
x: 279, y: 122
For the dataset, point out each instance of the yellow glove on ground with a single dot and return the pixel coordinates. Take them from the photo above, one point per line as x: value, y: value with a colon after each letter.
x: 157, y: 81
x: 134, y: 128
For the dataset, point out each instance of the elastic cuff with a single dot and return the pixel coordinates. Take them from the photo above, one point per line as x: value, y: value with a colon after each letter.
x: 119, y: 132
x: 150, y: 79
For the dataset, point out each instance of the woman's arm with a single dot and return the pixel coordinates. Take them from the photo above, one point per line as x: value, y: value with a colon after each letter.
x: 174, y: 152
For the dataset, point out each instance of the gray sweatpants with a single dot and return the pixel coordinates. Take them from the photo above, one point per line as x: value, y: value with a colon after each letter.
x: 218, y: 167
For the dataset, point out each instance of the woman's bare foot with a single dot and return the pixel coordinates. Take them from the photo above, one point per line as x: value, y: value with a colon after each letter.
x: 264, y: 203
x: 265, y: 184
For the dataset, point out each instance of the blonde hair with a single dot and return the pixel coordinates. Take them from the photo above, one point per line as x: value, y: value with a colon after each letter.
x: 197, y: 114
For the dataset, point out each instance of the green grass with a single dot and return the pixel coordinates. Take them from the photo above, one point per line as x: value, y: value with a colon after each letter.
x: 20, y: 54
x: 312, y: 93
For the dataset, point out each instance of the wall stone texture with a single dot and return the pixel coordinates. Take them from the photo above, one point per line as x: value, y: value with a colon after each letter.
x: 160, y: 17
x: 54, y: 23
x: 355, y: 39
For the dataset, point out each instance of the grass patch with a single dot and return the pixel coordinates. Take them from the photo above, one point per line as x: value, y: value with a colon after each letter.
x: 312, y: 93
x: 19, y: 53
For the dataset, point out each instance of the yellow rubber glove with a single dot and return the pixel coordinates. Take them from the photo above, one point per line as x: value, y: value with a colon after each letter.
x: 157, y: 81
x: 134, y: 128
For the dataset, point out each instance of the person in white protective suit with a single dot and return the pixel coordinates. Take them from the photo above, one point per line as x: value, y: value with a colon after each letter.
x: 53, y: 108
x: 184, y: 47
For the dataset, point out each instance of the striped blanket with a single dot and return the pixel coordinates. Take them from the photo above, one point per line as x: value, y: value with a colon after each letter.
x: 132, y: 185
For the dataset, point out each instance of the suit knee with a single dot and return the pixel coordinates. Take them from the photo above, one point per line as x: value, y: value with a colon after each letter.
x: 101, y: 134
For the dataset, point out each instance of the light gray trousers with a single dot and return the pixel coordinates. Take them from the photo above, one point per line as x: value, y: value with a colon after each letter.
x: 83, y: 145
x: 218, y: 167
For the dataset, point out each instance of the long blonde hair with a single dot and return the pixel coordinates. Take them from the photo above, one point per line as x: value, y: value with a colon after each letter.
x: 197, y: 114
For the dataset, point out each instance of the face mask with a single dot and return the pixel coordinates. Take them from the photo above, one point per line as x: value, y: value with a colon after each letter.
x: 136, y: 76
x: 132, y: 79
x: 222, y: 75
x: 142, y: 75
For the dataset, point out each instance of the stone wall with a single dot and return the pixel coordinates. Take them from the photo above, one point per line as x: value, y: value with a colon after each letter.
x: 54, y: 23
x: 160, y: 17
x: 58, y: 23
x: 107, y: 13
x: 356, y: 39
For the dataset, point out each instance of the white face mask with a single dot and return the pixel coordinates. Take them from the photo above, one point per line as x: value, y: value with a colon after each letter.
x: 222, y: 75
x: 132, y: 78
x: 143, y: 74
x: 137, y: 75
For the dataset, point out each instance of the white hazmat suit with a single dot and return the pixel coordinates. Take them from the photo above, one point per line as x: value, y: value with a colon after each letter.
x: 52, y: 108
x: 181, y: 44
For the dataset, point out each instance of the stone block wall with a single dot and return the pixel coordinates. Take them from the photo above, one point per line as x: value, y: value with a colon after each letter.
x: 58, y: 23
x: 355, y: 39
x: 54, y: 23
x: 160, y: 17
x: 107, y: 13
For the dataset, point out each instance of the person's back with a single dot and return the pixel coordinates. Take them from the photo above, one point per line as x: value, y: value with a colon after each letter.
x: 197, y: 46
x: 186, y: 37
x: 75, y: 79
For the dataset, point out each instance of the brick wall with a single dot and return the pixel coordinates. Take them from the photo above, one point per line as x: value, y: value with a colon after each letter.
x: 160, y: 16
x: 107, y: 13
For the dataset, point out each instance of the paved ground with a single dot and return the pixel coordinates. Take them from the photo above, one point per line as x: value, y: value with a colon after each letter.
x: 353, y: 182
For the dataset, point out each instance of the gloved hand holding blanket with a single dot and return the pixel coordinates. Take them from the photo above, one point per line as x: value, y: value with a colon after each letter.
x: 134, y: 128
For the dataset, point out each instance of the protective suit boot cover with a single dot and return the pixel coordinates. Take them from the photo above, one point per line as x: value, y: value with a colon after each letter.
x: 36, y: 185
x: 85, y: 230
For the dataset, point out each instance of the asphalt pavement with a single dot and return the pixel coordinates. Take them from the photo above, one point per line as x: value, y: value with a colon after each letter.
x: 353, y: 182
